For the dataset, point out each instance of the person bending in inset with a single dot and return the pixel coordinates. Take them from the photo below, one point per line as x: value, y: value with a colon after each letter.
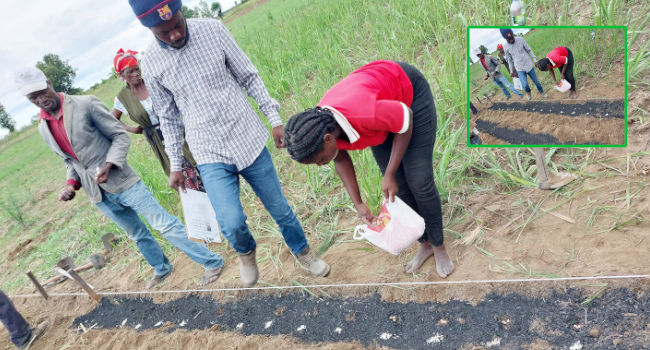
x: 388, y: 107
x: 562, y: 59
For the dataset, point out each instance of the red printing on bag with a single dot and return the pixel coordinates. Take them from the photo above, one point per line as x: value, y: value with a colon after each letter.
x: 382, y: 219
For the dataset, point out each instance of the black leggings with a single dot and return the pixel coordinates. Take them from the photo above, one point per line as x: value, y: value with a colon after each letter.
x: 568, y: 75
x: 414, y: 176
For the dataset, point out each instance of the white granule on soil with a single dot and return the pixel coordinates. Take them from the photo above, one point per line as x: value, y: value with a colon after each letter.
x: 576, y: 346
x: 436, y: 339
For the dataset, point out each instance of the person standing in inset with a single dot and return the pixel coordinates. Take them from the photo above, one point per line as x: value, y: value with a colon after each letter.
x: 492, y: 69
x: 520, y: 61
x: 20, y: 332
x: 196, y: 70
x: 502, y: 57
x: 134, y: 100
x: 562, y: 59
x: 387, y: 106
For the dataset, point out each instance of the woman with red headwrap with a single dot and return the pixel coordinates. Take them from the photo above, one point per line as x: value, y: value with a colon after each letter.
x: 135, y: 101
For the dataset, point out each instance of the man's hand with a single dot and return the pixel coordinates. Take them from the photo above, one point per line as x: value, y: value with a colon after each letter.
x: 365, y: 214
x: 278, y: 136
x: 135, y: 130
x: 535, y: 63
x: 102, y: 173
x: 177, y: 181
x: 486, y: 76
x: 514, y: 74
x: 67, y: 193
x: 389, y: 187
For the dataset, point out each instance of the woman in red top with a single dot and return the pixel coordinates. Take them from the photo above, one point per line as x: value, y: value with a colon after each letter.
x: 388, y: 107
x: 562, y: 59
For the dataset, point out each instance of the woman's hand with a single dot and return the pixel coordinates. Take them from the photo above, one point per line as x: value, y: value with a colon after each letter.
x: 365, y: 214
x: 389, y: 187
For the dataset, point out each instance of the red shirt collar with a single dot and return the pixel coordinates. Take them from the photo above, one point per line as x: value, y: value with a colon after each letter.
x: 59, y: 114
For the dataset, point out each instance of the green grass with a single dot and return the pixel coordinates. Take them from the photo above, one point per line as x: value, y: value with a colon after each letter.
x: 301, y: 48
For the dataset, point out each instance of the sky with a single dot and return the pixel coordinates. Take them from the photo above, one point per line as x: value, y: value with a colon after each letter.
x: 489, y: 37
x: 86, y: 33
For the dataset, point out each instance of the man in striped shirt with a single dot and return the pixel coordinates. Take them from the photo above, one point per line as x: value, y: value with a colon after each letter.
x: 520, y: 61
x: 196, y: 69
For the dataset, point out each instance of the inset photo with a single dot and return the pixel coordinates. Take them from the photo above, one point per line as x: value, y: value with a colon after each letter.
x: 547, y: 86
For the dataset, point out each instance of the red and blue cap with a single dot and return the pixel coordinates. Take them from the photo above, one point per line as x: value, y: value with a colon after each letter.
x: 154, y: 12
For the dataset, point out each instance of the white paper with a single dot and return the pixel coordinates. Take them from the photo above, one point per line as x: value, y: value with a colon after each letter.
x: 200, y: 219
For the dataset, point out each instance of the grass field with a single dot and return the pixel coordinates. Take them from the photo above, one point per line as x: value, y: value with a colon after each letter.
x: 593, y: 59
x: 301, y: 48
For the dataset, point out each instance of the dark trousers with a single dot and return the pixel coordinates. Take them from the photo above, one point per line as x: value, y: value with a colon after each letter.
x: 19, y: 329
x: 568, y: 75
x: 414, y: 176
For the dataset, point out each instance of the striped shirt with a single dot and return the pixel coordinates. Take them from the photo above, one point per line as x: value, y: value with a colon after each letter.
x: 519, y: 55
x: 204, y: 81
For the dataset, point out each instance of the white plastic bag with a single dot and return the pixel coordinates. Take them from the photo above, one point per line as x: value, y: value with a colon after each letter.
x: 564, y: 87
x: 517, y: 83
x: 400, y: 227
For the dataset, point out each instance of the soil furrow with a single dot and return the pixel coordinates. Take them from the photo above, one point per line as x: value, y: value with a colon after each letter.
x: 510, y: 320
x: 602, y: 109
x: 517, y: 136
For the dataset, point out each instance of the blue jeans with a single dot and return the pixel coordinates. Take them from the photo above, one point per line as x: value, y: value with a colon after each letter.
x: 123, y: 209
x: 503, y: 82
x: 19, y: 330
x: 221, y: 182
x: 524, y: 81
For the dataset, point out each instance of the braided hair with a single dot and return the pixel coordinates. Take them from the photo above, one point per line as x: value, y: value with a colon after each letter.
x: 543, y: 63
x: 305, y: 130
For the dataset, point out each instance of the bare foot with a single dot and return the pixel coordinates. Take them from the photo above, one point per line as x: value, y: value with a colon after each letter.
x: 425, y: 251
x: 444, y: 266
x: 573, y: 94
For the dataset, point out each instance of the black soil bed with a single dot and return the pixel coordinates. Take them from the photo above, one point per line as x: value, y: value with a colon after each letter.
x: 500, y: 321
x: 519, y: 136
x: 601, y: 109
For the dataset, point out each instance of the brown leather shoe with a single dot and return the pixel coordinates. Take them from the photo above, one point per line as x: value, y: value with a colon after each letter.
x: 248, y: 272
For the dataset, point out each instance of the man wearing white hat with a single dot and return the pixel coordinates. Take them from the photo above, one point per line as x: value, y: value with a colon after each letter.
x: 94, y: 146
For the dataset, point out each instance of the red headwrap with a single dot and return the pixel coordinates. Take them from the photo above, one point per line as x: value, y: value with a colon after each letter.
x: 499, y: 46
x: 124, y: 59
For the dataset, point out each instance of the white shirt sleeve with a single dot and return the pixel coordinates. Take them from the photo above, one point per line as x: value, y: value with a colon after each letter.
x: 119, y: 106
x: 407, y: 119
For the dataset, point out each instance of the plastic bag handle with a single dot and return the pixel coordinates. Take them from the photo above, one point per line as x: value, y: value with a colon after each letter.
x: 360, y: 232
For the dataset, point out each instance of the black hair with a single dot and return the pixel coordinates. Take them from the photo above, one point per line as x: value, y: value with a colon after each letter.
x: 543, y: 63
x: 305, y: 130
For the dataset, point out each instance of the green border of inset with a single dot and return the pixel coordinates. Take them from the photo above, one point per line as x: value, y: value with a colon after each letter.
x: 537, y: 146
